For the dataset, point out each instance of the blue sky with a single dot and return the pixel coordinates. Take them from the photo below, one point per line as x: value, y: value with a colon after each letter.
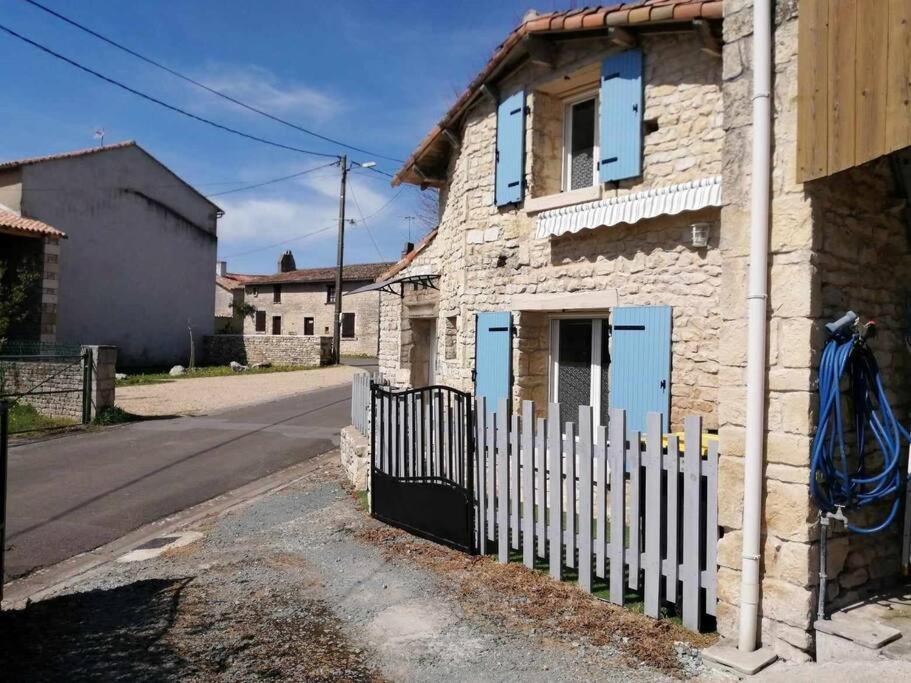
x: 375, y: 74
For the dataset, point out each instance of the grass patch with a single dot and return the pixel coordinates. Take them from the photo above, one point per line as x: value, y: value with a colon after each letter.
x: 362, y: 501
x: 161, y: 376
x: 25, y: 418
x: 114, y: 416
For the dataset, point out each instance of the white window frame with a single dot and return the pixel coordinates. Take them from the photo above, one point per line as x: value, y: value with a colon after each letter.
x: 568, y: 105
x: 596, y: 369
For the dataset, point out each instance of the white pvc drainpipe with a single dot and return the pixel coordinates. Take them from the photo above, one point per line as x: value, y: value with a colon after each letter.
x: 757, y: 326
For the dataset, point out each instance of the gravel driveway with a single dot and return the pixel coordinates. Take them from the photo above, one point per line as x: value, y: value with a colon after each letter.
x: 205, y: 395
x: 302, y: 585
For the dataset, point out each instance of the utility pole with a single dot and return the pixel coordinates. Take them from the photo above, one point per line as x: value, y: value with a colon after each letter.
x: 337, y: 327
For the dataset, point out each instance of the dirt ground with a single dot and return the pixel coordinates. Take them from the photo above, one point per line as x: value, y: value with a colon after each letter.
x: 204, y: 395
x: 303, y: 585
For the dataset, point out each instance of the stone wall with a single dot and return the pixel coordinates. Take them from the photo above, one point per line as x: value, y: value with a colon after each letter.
x: 66, y: 376
x: 63, y: 375
x: 299, y: 301
x: 485, y: 255
x: 246, y: 349
x: 794, y: 307
x: 863, y: 258
x: 354, y: 451
x: 49, y: 285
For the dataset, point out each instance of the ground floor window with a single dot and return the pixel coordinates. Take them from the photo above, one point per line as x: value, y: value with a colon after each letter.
x: 261, y: 321
x: 348, y: 325
x: 580, y: 356
x: 308, y: 326
x: 276, y: 324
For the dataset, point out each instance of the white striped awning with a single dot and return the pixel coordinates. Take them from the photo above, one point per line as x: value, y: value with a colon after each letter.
x: 630, y: 208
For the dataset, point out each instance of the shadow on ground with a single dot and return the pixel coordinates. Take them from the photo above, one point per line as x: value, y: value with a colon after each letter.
x: 207, y: 628
x: 113, y: 634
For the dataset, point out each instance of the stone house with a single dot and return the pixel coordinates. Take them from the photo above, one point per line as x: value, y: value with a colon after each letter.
x: 302, y: 302
x: 31, y: 244
x: 594, y: 248
x: 140, y: 253
x: 229, y: 300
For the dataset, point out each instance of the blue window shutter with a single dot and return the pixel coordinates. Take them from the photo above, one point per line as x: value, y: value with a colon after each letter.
x: 640, y: 363
x: 493, y: 357
x: 621, y: 116
x: 510, y: 168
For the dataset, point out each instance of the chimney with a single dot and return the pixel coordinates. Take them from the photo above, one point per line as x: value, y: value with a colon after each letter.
x: 529, y: 15
x: 286, y: 263
x: 409, y: 247
x: 221, y: 268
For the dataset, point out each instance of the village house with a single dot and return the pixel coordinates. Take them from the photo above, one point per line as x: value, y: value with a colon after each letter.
x: 302, y: 302
x: 597, y: 203
x: 229, y: 300
x: 265, y: 313
x: 30, y: 249
x: 140, y: 254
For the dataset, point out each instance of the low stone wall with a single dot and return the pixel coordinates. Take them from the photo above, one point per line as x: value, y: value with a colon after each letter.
x: 355, y: 456
x: 282, y: 349
x: 64, y: 376
x: 53, y: 375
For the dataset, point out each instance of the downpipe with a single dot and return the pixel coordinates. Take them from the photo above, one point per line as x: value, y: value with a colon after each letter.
x: 757, y: 325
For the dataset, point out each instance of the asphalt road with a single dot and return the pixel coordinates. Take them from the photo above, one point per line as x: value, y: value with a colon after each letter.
x: 71, y: 494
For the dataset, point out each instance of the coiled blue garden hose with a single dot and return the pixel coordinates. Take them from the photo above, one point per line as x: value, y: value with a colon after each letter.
x: 840, y: 479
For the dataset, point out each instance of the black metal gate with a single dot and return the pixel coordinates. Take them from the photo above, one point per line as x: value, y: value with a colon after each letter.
x: 422, y: 463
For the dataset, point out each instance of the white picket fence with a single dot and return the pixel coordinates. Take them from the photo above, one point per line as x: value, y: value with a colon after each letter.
x: 360, y: 400
x: 637, y: 513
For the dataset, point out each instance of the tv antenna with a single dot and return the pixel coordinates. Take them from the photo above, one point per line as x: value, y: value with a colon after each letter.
x: 99, y: 135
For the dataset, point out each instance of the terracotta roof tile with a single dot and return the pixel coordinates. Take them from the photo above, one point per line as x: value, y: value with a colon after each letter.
x: 232, y: 281
x: 595, y: 19
x: 638, y: 13
x: 14, y: 223
x: 357, y: 272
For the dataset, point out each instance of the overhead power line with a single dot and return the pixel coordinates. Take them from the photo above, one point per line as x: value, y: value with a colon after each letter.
x: 218, y: 93
x: 161, y: 103
x: 271, y: 182
x: 275, y: 244
x: 364, y: 221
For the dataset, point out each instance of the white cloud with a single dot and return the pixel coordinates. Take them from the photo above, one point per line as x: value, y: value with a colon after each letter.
x: 262, y: 221
x: 261, y: 88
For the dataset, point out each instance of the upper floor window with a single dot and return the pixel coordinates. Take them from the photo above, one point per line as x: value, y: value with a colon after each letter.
x: 276, y: 294
x: 330, y: 294
x: 580, y: 143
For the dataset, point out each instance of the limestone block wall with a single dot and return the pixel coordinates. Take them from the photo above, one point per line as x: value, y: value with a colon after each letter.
x: 795, y: 313
x: 864, y: 265
x: 221, y: 349
x: 486, y: 254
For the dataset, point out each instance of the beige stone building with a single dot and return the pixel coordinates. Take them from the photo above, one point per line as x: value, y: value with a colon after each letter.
x: 603, y: 278
x: 301, y: 302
